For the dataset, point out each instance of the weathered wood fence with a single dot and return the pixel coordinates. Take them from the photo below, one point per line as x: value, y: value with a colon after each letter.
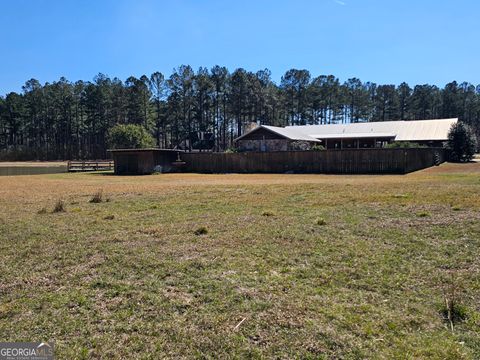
x: 89, y: 165
x: 348, y: 161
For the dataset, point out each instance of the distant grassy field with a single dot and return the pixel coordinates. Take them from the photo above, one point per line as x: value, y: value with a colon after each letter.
x: 32, y: 167
x: 235, y: 266
x: 32, y: 163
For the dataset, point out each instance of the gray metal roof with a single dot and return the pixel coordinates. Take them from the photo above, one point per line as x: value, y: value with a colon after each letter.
x: 290, y: 132
x: 355, y: 135
x: 411, y: 130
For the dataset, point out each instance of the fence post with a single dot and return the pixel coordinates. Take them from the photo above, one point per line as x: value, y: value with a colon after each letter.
x: 405, y: 162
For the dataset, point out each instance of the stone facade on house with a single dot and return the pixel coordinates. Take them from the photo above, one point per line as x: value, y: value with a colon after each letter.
x: 263, y: 145
x: 273, y: 145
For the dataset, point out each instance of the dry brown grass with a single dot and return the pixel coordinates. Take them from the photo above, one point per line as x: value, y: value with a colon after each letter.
x: 74, y: 185
x: 130, y: 276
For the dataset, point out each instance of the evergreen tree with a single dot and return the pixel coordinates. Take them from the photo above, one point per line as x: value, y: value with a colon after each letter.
x: 404, y: 94
x: 294, y: 84
x: 65, y: 120
x: 461, y: 143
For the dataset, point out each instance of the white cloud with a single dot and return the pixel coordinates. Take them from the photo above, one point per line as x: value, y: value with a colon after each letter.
x: 339, y: 2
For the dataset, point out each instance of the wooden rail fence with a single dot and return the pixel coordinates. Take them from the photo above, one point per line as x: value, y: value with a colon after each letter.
x: 89, y: 165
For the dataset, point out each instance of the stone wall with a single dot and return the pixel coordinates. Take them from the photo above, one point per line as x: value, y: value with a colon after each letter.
x: 268, y: 145
x: 263, y: 145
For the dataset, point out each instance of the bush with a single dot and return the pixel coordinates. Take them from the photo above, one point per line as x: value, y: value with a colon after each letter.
x: 317, y: 148
x: 97, y: 198
x: 202, y: 230
x: 404, y: 145
x: 461, y: 143
x: 231, y: 150
x: 300, y: 145
x: 423, y: 214
x: 268, y: 213
x: 129, y: 137
x: 59, y: 207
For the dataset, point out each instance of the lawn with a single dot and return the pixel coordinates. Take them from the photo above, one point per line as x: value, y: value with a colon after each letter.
x: 243, y: 266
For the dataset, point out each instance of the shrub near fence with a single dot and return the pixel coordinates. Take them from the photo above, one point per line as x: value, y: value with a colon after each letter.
x: 348, y: 161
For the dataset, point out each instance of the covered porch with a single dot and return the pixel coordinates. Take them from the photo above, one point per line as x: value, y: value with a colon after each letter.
x: 356, y: 141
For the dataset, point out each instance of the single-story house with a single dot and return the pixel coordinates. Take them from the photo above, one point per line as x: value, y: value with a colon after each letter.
x: 346, y: 136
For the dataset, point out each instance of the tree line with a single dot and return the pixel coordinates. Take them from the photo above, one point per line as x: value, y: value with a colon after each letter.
x: 207, y: 108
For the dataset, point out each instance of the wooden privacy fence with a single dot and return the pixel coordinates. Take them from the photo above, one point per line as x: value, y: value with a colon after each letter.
x: 89, y: 165
x: 351, y: 161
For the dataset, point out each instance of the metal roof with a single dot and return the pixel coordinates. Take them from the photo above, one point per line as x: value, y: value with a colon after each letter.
x: 290, y: 132
x: 354, y: 135
x: 403, y: 130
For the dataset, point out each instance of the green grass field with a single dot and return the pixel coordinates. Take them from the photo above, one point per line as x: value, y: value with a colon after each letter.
x: 243, y: 266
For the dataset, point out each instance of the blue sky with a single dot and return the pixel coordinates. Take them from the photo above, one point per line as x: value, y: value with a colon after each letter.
x: 418, y: 41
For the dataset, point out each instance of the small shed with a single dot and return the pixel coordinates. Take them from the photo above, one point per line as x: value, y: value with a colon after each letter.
x: 144, y: 161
